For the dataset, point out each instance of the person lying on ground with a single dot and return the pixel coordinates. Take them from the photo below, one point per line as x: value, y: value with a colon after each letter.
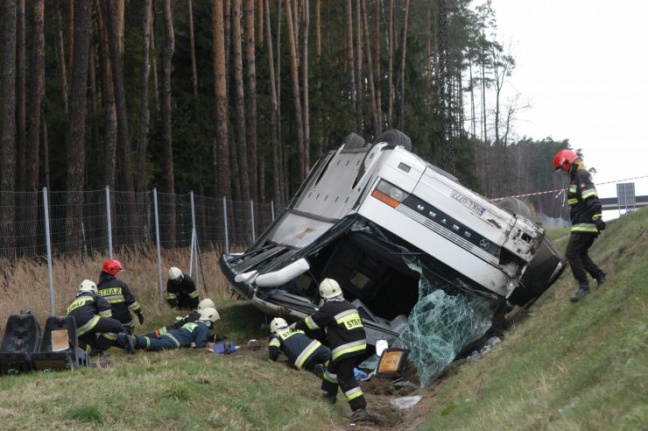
x: 192, y: 334
x: 180, y: 321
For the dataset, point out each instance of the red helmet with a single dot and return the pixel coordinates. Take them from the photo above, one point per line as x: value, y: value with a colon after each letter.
x: 112, y: 266
x: 564, y: 160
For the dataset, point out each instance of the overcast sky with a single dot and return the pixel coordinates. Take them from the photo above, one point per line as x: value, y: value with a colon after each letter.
x: 583, y: 67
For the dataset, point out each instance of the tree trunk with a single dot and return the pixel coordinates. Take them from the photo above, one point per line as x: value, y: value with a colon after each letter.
x: 284, y: 183
x: 144, y: 114
x: 402, y: 68
x: 274, y: 136
x: 62, y: 60
x: 154, y: 56
x: 294, y: 77
x: 260, y: 15
x: 8, y: 128
x: 390, y: 67
x: 239, y: 102
x: 95, y: 139
x: 36, y: 92
x: 192, y: 47
x: 109, y: 105
x: 221, y: 142
x: 250, y: 97
x: 76, y: 127
x: 359, y: 71
x: 235, y: 184
x: 375, y: 108
x: 124, y: 171
x: 350, y: 55
x: 121, y: 9
x: 318, y: 29
x: 168, y: 50
x: 306, y: 23
x: 21, y: 95
x: 377, y: 73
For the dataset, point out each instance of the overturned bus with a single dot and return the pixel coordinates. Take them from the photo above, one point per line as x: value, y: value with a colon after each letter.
x: 421, y: 256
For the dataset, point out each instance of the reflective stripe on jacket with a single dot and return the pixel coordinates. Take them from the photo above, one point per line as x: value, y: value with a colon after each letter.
x: 343, y: 326
x: 584, y: 203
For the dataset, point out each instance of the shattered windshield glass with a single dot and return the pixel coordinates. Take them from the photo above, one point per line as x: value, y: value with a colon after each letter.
x: 440, y: 325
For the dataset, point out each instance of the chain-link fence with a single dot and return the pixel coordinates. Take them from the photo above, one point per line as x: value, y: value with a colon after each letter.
x: 70, y: 223
x: 67, y: 223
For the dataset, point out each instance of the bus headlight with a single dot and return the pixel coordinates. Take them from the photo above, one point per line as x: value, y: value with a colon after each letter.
x: 389, y: 194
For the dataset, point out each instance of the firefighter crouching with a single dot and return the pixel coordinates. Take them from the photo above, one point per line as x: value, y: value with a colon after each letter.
x: 92, y: 315
x: 119, y: 295
x: 182, y: 293
x: 302, y: 351
x: 347, y: 340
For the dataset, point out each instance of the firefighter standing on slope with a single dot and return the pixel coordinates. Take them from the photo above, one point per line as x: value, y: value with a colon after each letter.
x: 182, y: 293
x: 117, y: 293
x: 302, y: 351
x: 347, y: 340
x: 585, y: 214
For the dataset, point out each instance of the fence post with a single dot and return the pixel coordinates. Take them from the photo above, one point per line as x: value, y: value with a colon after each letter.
x: 225, y: 225
x: 193, y: 237
x: 252, y: 220
x: 157, y: 241
x: 272, y: 216
x: 48, y: 245
x: 109, y: 223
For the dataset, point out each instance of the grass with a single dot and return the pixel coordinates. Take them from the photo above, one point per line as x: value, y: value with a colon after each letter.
x: 561, y: 366
x: 566, y: 366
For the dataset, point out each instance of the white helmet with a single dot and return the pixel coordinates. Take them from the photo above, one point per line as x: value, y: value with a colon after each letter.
x: 88, y: 286
x: 329, y: 288
x: 206, y: 303
x: 174, y: 273
x: 209, y: 314
x: 278, y: 323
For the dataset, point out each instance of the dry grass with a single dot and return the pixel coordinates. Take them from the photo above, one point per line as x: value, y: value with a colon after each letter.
x: 25, y: 284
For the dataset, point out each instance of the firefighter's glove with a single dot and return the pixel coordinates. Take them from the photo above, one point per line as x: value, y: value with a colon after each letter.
x: 600, y: 224
x: 140, y: 317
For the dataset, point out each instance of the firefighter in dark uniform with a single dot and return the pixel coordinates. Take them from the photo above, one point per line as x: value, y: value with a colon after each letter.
x: 117, y: 293
x: 180, y: 321
x: 193, y: 334
x: 302, y: 351
x: 587, y: 223
x: 347, y: 339
x: 92, y: 315
x: 182, y: 293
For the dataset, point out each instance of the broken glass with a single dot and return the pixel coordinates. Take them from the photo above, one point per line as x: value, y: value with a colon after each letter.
x: 442, y: 324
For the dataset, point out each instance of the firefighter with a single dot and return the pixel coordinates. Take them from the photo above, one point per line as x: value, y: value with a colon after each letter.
x: 347, y: 339
x: 117, y: 293
x: 302, y: 351
x: 182, y: 293
x: 92, y: 315
x: 192, y: 334
x: 586, y: 218
x: 180, y: 321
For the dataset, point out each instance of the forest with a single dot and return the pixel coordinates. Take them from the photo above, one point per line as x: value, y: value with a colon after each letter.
x: 238, y: 98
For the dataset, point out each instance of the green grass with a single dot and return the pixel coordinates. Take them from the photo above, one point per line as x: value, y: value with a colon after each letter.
x: 567, y: 366
x: 561, y: 366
